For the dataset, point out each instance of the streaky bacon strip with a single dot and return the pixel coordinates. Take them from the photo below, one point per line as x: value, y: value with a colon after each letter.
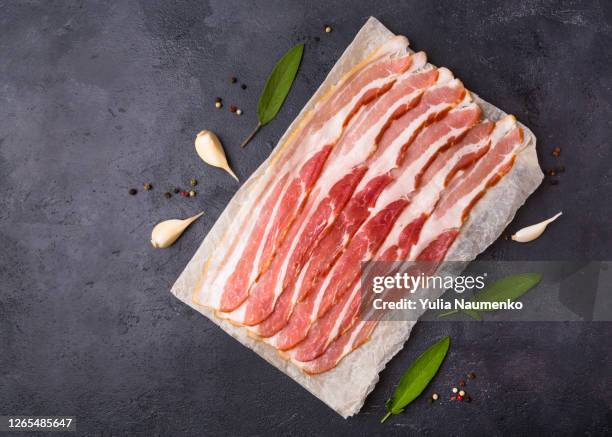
x: 334, y: 303
x: 274, y: 209
x: 272, y: 227
x: 352, y: 155
x: 343, y: 315
x: 438, y: 233
x: 435, y: 101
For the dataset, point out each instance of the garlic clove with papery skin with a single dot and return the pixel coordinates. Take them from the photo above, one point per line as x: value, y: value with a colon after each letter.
x: 209, y: 148
x: 167, y: 232
x: 532, y: 232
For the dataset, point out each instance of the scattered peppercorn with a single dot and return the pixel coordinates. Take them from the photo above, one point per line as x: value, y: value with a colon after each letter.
x: 328, y: 29
x: 455, y: 390
x: 218, y: 105
x: 459, y: 398
x: 462, y: 382
x: 238, y: 111
x: 192, y: 193
x: 554, y: 182
x: 461, y: 393
x: 177, y: 190
x: 435, y: 396
x: 184, y: 193
x: 148, y: 186
x: 243, y: 86
x: 167, y: 195
x: 133, y: 191
x: 552, y: 172
x: 556, y: 151
x: 193, y: 182
x: 453, y: 398
x: 471, y: 375
x: 233, y: 79
x: 233, y: 108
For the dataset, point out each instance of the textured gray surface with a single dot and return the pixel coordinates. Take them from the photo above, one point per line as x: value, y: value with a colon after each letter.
x: 99, y: 97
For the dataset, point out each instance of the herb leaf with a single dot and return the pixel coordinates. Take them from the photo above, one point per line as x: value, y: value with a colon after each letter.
x: 417, y: 377
x: 508, y: 288
x: 277, y: 87
x: 278, y: 84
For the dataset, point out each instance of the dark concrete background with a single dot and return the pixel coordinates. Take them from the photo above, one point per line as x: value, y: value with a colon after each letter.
x: 99, y: 97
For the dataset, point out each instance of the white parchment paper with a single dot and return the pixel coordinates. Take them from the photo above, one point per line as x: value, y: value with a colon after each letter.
x: 345, y: 388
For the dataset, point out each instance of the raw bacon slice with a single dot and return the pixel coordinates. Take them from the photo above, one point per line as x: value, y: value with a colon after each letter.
x: 464, y: 193
x: 344, y: 314
x: 229, y: 273
x: 435, y: 100
x: 440, y: 231
x: 351, y: 155
x: 332, y: 303
x: 434, y: 104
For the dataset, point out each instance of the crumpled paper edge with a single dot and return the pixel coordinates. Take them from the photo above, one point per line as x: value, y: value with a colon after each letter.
x: 345, y: 388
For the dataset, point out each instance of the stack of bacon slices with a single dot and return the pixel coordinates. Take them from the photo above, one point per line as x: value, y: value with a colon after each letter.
x: 387, y: 166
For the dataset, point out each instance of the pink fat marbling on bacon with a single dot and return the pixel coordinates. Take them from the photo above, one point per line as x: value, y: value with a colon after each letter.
x: 435, y: 101
x: 449, y: 215
x: 448, y: 162
x: 318, y: 139
x: 333, y: 296
x: 357, y: 149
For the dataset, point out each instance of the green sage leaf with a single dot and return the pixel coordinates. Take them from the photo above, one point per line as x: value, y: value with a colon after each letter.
x: 417, y: 377
x: 278, y: 84
x: 508, y: 288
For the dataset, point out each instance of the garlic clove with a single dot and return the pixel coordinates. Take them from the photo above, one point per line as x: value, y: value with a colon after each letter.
x: 167, y: 232
x: 209, y: 148
x: 532, y: 232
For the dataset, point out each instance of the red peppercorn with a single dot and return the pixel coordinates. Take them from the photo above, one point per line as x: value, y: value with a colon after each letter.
x: 184, y: 193
x: 233, y: 108
x: 459, y: 398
